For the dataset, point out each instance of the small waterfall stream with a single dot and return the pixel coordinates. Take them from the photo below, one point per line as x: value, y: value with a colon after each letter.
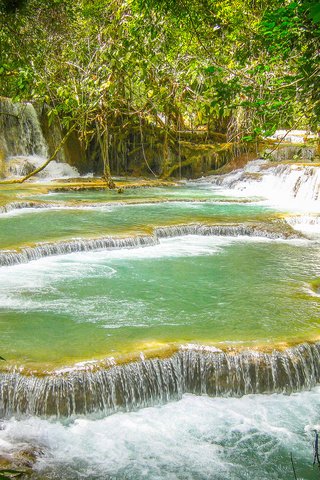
x: 278, y: 183
x: 157, y: 381
x: 27, y: 254
x: 307, y: 224
x: 11, y: 207
x: 20, y: 130
x: 22, y: 143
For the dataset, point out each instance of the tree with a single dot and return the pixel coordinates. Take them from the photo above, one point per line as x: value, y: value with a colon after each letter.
x: 107, y: 68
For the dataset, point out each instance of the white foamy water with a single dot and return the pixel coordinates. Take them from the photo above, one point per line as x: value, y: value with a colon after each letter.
x: 291, y: 187
x: 293, y: 136
x: 22, y: 165
x: 46, y: 271
x: 194, y: 438
x: 14, y: 212
x: 308, y: 224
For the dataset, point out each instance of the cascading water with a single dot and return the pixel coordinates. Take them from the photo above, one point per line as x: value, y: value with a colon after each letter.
x: 279, y: 184
x: 20, y: 130
x: 307, y: 224
x: 28, y: 254
x: 288, y: 186
x: 14, y: 206
x: 23, y: 165
x: 151, y: 382
x: 23, y: 145
x: 293, y: 136
x: 41, y: 297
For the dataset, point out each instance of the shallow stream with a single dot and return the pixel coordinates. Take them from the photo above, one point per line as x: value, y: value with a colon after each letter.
x: 238, y: 294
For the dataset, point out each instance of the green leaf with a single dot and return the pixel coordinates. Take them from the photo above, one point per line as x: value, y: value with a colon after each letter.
x: 314, y: 13
x: 247, y: 138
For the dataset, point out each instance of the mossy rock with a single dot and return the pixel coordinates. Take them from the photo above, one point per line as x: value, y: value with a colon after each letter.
x: 19, y: 463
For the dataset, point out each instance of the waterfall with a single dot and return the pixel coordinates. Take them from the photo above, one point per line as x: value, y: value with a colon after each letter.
x: 278, y: 183
x: 23, y: 145
x: 23, y: 165
x: 240, y: 230
x: 76, y: 245
x: 151, y: 382
x: 293, y: 136
x: 304, y: 219
x: 20, y: 130
x: 309, y: 224
x: 27, y: 254
x: 13, y: 206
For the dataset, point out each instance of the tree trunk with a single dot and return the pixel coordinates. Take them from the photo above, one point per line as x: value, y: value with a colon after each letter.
x: 103, y: 138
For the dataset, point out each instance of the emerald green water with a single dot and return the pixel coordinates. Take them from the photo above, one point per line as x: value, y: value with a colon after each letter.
x: 185, y: 290
x: 225, y: 292
x: 35, y: 225
x: 181, y: 192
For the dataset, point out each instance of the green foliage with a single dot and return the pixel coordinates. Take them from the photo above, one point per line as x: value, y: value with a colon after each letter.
x: 11, y: 6
x: 290, y: 36
x: 241, y: 67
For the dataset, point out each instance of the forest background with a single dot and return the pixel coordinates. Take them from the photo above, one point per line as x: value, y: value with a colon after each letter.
x: 107, y: 69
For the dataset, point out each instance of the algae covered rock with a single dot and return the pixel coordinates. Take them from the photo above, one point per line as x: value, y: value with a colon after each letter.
x: 17, y: 461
